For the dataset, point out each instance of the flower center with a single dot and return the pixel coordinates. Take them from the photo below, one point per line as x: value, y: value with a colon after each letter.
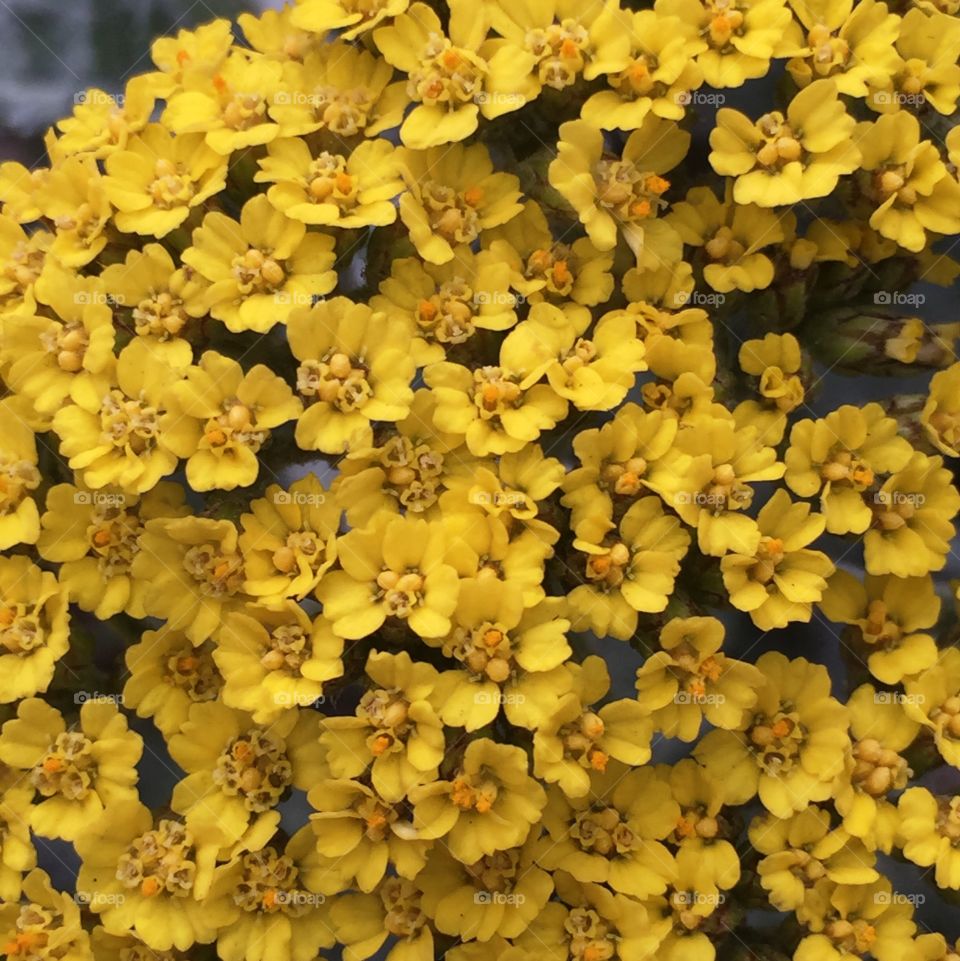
x: 288, y: 649
x: 161, y: 861
x: 830, y: 53
x: 193, y: 670
x: 724, y: 21
x: 591, y: 938
x: 579, y: 739
x: 254, y: 767
x: 68, y: 342
x: 485, y: 651
x: 603, y: 831
x: 637, y: 79
x: 723, y: 247
x: 769, y: 554
x: 34, y: 929
x: 257, y: 272
x: 23, y: 627
x: 67, y: 769
x: 553, y: 267
x: 387, y: 713
x: 329, y: 183
x: 16, y: 478
x: 401, y: 902
x: 343, y: 112
x: 608, y: 570
x: 624, y: 478
x: 269, y: 884
x: 160, y: 315
x: 216, y: 574
x: 776, y: 741
x: 561, y: 51
x: 24, y: 264
x: 632, y: 194
x: 474, y: 793
x: 446, y: 74
x: 131, y: 425
x: 453, y: 214
x: 780, y: 143
x: 495, y: 392
x: 399, y: 592
x: 877, y: 769
x: 447, y: 316
x: 854, y: 936
x: 113, y: 535
x: 947, y: 717
x: 235, y: 427
x: 170, y: 187
x: 241, y: 110
x: 337, y: 379
x: 496, y: 873
x: 413, y: 473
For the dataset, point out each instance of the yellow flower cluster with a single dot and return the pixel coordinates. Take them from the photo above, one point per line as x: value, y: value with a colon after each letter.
x: 413, y: 446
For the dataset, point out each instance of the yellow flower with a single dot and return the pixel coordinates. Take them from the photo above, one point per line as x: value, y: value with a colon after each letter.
x: 496, y: 409
x: 925, y: 68
x: 261, y: 268
x: 577, y: 739
x: 742, y: 36
x: 701, y: 831
x: 690, y: 678
x: 68, y: 356
x: 34, y: 628
x: 587, y: 918
x: 933, y: 699
x: 193, y: 572
x: 275, y: 659
x: 351, y: 17
x: 168, y: 673
x: 714, y: 490
x: 150, y: 877
x: 839, y: 457
x: 44, y: 923
x: 488, y: 805
x: 543, y: 268
x: 17, y: 852
x: 395, y: 731
x: 906, y: 182
x: 164, y: 301
x: 191, y: 51
x: 929, y: 828
x: 19, y: 477
x: 627, y: 191
x: 881, y: 731
x: 339, y: 88
x: 731, y: 236
x: 447, y: 73
x: 790, y: 747
x: 801, y: 849
x: 102, y: 124
x: 780, y: 581
x: 95, y: 535
x: 358, y: 835
x: 219, y: 417
x: 354, y: 368
x: 592, y: 369
x: 332, y: 189
x: 273, y: 33
x: 850, y: 43
x: 782, y: 159
x: 611, y: 836
x: 443, y: 305
x: 273, y: 903
x: 74, y: 198
x: 657, y: 77
x: 157, y: 179
x: 941, y: 413
x: 228, y: 106
x: 23, y: 260
x: 452, y: 195
x: 236, y: 771
x: 77, y: 772
x: 617, y: 460
x: 507, y: 657
x: 776, y: 362
x: 912, y: 522
x: 395, y: 568
x: 892, y: 616
x: 629, y: 568
x: 289, y: 539
x: 499, y: 895
x: 363, y: 922
x: 114, y: 438
x: 406, y: 472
